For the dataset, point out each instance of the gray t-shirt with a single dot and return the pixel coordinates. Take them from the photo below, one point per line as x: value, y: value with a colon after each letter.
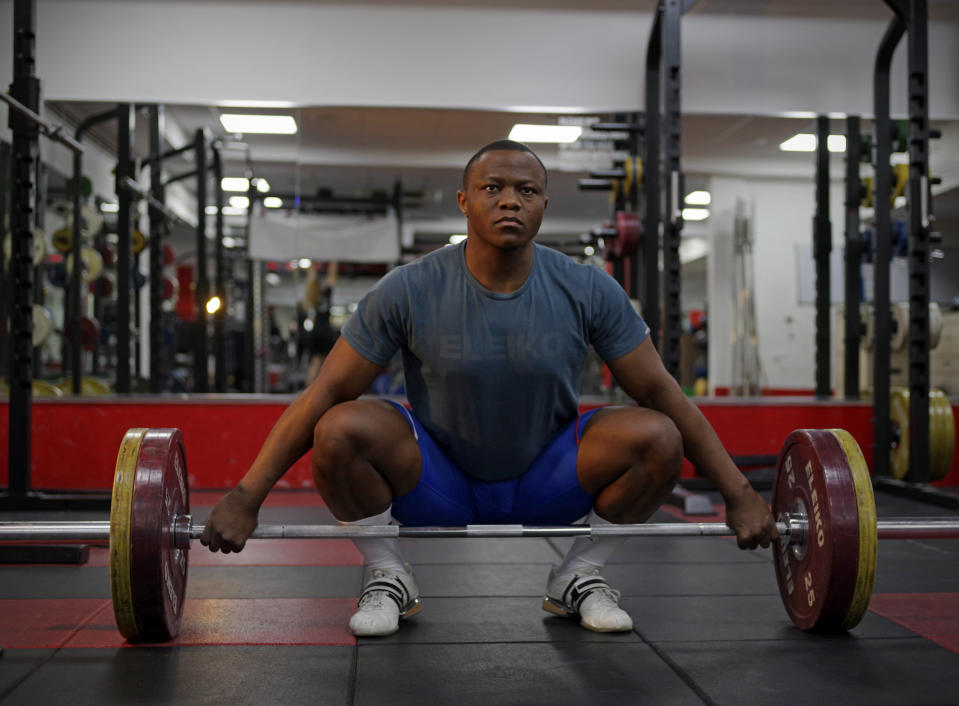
x: 493, y: 376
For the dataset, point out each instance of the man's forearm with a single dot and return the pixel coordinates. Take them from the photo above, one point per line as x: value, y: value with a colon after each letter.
x: 701, y: 444
x: 288, y: 440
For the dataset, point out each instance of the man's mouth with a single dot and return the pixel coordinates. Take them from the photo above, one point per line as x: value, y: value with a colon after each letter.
x: 510, y: 219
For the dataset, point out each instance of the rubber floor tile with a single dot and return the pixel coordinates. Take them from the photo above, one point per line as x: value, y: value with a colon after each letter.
x: 934, y: 616
x: 551, y: 674
x: 819, y: 671
x: 727, y: 618
x: 492, y: 620
x: 291, y: 676
x: 266, y: 552
x: 44, y: 623
x: 274, y: 582
x: 210, y: 621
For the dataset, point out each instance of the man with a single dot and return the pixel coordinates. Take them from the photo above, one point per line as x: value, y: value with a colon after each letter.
x: 494, y: 335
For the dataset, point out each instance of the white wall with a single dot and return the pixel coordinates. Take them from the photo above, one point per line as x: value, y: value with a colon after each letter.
x: 782, y: 212
x: 206, y: 51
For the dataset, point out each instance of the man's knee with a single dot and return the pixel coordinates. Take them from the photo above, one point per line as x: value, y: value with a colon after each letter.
x: 338, y: 435
x: 662, y: 447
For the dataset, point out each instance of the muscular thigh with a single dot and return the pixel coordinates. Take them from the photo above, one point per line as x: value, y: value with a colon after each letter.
x: 611, y: 441
x: 380, y: 433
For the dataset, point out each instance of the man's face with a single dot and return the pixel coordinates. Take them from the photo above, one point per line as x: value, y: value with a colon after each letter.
x: 504, y: 198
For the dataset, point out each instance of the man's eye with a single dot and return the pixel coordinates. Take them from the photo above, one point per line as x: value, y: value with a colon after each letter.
x: 491, y: 187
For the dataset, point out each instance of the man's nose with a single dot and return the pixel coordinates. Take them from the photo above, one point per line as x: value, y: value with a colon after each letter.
x: 509, y: 199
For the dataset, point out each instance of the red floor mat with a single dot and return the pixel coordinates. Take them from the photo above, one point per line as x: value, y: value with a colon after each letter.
x: 934, y: 616
x: 52, y: 623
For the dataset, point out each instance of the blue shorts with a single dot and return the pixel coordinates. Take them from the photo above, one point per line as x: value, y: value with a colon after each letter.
x: 548, y: 493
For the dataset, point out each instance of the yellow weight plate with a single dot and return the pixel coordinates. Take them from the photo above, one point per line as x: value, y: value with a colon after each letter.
x: 633, y: 167
x: 937, y: 431
x: 949, y: 448
x: 942, y: 444
x: 121, y: 521
x: 899, y: 417
x: 39, y: 246
x: 42, y: 324
x: 868, y: 536
x: 139, y: 242
x: 92, y: 264
x: 62, y: 240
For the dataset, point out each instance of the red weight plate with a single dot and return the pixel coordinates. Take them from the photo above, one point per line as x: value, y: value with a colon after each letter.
x: 169, y: 255
x: 103, y: 286
x: 627, y: 243
x: 158, y: 567
x: 817, y: 580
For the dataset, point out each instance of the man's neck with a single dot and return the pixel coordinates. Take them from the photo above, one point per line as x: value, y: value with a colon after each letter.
x: 500, y: 271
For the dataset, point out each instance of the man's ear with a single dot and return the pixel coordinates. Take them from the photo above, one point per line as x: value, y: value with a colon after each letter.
x: 461, y: 201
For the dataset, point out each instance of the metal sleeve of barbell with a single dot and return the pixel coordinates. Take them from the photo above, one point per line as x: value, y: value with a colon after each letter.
x: 918, y: 528
x: 55, y: 531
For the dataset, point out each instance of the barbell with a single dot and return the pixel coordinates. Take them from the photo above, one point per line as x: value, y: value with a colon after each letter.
x: 825, y: 559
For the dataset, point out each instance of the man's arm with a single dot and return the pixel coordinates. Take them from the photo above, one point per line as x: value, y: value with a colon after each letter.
x: 345, y: 375
x: 643, y: 377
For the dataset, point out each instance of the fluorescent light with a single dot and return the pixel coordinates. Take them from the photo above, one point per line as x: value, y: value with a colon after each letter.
x: 523, y: 132
x: 273, y: 202
x: 698, y: 198
x: 456, y: 239
x: 255, y: 104
x: 235, y: 184
x: 263, y: 124
x: 210, y: 210
x: 305, y: 263
x: 695, y: 214
x: 240, y: 201
x: 110, y: 207
x: 263, y: 186
x: 213, y: 305
x: 806, y: 142
x: 233, y: 211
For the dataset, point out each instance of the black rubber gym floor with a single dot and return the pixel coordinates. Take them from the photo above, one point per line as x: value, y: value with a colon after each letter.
x: 269, y: 627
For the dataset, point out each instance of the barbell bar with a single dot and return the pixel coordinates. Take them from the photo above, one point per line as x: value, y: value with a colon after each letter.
x: 822, y: 499
x: 795, y: 527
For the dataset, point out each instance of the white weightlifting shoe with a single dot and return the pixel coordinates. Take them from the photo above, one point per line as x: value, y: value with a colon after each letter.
x: 387, y: 596
x: 586, y: 595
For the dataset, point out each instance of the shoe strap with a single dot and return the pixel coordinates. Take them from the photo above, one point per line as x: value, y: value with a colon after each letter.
x: 581, y: 586
x: 392, y: 586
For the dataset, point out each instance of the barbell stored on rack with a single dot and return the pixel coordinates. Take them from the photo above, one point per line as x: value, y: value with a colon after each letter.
x: 825, y: 559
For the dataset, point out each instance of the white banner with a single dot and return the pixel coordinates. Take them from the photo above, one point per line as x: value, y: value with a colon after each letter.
x: 291, y: 236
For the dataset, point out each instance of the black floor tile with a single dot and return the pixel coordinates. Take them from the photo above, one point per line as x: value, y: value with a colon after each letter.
x: 189, y: 675
x: 678, y: 550
x: 275, y: 582
x: 456, y: 580
x: 16, y: 665
x: 54, y: 581
x: 728, y: 618
x: 478, y: 551
x: 821, y: 670
x: 490, y: 620
x: 744, y: 578
x: 553, y: 674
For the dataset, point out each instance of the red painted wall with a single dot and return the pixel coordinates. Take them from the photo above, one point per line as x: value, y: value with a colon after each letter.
x: 75, y: 442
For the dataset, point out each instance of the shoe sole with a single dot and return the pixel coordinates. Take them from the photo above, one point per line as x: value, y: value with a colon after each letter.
x: 551, y: 605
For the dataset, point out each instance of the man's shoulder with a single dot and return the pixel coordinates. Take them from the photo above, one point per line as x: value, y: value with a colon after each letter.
x: 565, y: 267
